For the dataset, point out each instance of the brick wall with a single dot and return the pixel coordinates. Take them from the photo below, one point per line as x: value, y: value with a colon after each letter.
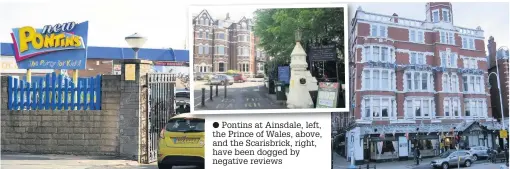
x: 84, y: 132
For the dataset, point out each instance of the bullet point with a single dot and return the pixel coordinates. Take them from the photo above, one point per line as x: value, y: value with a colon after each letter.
x: 216, y: 124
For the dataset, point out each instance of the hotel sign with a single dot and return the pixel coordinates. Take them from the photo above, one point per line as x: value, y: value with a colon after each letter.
x: 59, y: 46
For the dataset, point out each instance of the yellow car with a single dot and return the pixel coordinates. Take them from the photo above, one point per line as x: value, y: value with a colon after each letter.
x: 181, y: 143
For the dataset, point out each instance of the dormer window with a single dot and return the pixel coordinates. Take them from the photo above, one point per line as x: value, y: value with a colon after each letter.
x: 446, y: 15
x: 435, y: 16
x: 207, y: 22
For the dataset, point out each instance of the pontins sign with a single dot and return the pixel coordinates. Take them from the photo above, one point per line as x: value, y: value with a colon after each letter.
x: 59, y: 46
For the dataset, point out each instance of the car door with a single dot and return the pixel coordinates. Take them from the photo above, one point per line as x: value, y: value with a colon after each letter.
x: 464, y: 156
x: 483, y: 151
x: 453, y: 158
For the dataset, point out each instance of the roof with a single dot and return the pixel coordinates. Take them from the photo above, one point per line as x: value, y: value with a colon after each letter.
x: 188, y: 115
x: 95, y: 52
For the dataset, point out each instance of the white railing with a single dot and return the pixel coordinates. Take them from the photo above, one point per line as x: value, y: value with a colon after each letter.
x: 390, y: 19
x: 468, y: 31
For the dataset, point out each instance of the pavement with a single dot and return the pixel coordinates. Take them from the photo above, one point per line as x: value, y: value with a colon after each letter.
x: 51, y: 161
x: 248, y: 95
x: 340, y: 162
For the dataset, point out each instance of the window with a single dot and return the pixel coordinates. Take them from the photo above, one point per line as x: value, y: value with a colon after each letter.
x: 416, y: 36
x: 418, y: 81
x: 202, y: 68
x: 454, y: 83
x: 435, y: 16
x: 221, y: 67
x: 242, y: 38
x: 450, y: 83
x: 448, y: 59
x: 378, y: 54
x: 220, y: 50
x: 378, y: 79
x: 200, y: 35
x: 220, y: 36
x: 200, y: 49
x: 243, y: 51
x: 446, y: 15
x: 473, y: 83
x: 378, y: 30
x: 419, y: 107
x: 470, y: 63
x: 206, y: 36
x: 447, y: 38
x: 417, y: 58
x: 475, y: 107
x: 451, y: 107
x: 379, y: 107
x: 468, y: 43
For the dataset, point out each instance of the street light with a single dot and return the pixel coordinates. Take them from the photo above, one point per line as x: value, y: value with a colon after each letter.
x: 136, y: 41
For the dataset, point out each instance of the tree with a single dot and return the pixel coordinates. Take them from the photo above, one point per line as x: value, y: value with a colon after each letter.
x: 276, y: 28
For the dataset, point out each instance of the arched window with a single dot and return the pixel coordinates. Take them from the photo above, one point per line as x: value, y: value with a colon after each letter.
x: 455, y: 83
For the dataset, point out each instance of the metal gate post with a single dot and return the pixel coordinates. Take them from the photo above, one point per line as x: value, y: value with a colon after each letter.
x: 225, y: 90
x: 210, y: 92
x: 216, y: 90
x: 203, y: 97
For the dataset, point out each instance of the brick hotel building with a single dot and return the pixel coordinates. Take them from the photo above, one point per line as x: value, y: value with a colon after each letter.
x: 416, y: 83
x: 232, y: 42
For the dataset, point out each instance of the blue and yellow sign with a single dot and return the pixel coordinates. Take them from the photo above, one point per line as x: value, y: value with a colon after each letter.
x: 59, y: 46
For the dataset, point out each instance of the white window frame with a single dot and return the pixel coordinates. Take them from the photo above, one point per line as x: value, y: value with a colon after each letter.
x: 473, y: 86
x: 470, y: 62
x: 243, y: 51
x: 421, y: 57
x: 448, y: 56
x: 200, y: 49
x: 217, y: 49
x: 410, y: 107
x: 416, y: 36
x: 375, y: 103
x: 373, y: 55
x: 476, y: 106
x: 224, y: 66
x: 450, y: 83
x: 419, y: 88
x: 243, y: 39
x: 446, y: 37
x: 376, y: 84
x: 435, y: 20
x: 468, y: 43
x: 448, y: 103
x: 218, y: 36
x: 378, y: 29
x: 448, y: 18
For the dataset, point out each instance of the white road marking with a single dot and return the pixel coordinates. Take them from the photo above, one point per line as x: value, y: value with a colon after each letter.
x: 219, y: 105
x: 229, y: 106
x: 258, y: 104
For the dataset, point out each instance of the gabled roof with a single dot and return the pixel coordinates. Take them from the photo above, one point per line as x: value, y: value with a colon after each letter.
x: 203, y: 12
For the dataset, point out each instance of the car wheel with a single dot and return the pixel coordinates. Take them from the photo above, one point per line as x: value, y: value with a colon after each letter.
x: 475, y: 157
x: 445, y: 166
x: 164, y: 166
x: 222, y: 83
x: 467, y: 163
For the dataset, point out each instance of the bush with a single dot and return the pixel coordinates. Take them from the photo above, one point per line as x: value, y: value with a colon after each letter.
x: 231, y: 72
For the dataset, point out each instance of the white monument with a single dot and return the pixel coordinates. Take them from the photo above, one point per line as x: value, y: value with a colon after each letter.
x: 301, y: 80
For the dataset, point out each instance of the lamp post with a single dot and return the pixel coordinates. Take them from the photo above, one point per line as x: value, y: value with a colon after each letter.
x: 136, y: 41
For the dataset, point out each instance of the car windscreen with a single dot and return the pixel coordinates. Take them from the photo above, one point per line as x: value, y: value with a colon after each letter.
x: 185, y: 125
x: 445, y: 154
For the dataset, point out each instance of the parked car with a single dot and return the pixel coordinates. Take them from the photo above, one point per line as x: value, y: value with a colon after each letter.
x: 221, y: 80
x: 199, y: 76
x: 181, y: 142
x: 451, y: 159
x: 182, y: 93
x: 259, y: 75
x: 239, y: 78
x: 478, y: 151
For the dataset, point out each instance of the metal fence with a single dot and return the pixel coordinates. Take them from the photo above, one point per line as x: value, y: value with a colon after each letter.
x: 54, y: 92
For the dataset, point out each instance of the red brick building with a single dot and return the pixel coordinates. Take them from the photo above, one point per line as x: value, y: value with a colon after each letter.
x: 418, y: 79
x: 501, y: 55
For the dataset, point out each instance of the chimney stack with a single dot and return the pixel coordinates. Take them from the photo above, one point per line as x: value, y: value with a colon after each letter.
x: 395, y: 17
x: 491, y: 46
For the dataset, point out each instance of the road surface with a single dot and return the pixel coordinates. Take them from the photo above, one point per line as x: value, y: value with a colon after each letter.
x: 247, y: 95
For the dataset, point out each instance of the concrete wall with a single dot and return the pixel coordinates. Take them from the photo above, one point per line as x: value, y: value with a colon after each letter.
x: 84, y: 132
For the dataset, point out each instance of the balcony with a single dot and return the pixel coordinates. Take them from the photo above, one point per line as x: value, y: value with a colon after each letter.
x: 389, y: 19
x: 478, y: 32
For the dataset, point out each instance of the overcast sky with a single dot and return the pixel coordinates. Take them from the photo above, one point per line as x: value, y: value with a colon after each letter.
x: 166, y: 25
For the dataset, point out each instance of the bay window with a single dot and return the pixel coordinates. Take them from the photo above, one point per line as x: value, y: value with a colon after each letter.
x: 378, y: 30
x: 375, y: 107
x: 417, y: 58
x: 378, y: 54
x: 419, y: 107
x: 450, y: 83
x: 447, y: 38
x: 473, y: 83
x: 470, y: 63
x: 451, y: 107
x: 220, y: 50
x: 378, y: 79
x: 476, y: 108
x: 448, y: 59
x: 418, y: 81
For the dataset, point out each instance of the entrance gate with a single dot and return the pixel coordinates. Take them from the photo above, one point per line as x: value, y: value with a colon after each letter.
x: 160, y: 107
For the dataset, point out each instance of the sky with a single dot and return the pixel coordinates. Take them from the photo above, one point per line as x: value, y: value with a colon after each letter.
x: 166, y: 26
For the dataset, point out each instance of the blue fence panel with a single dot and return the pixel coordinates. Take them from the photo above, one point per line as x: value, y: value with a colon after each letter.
x: 54, y: 92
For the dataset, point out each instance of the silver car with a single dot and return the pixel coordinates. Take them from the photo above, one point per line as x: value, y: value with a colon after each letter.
x: 221, y: 79
x: 451, y: 159
x: 478, y: 151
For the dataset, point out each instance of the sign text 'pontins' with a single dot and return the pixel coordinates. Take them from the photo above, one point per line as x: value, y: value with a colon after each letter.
x: 58, y: 46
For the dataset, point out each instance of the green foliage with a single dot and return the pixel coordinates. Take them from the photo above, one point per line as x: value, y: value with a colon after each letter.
x: 231, y: 72
x: 276, y: 28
